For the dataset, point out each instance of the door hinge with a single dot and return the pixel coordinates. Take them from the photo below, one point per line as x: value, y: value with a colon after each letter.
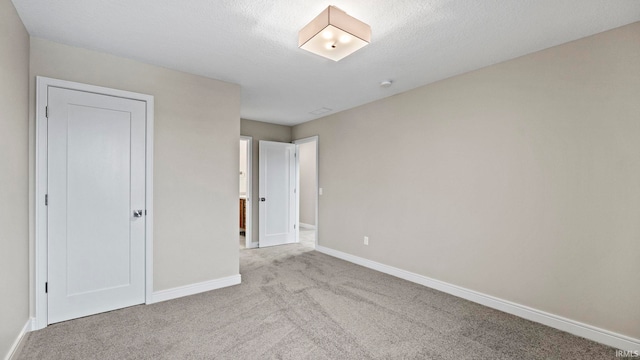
x: 46, y: 112
x: 46, y: 199
x: 46, y: 288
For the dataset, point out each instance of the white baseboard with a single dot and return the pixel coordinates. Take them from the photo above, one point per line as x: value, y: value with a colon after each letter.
x: 307, y: 226
x: 603, y: 336
x: 164, y: 295
x: 17, y: 345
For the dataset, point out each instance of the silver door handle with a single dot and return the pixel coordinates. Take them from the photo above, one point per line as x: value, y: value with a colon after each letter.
x: 137, y: 213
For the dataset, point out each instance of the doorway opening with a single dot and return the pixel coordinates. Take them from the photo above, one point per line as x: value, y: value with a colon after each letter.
x: 308, y: 194
x: 246, y: 187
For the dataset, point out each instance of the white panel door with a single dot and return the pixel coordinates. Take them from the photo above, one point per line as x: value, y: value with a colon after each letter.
x: 96, y: 167
x: 277, y: 200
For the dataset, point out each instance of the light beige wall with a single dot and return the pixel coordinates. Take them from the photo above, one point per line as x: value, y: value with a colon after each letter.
x: 14, y: 176
x: 307, y: 161
x: 260, y: 131
x: 519, y: 180
x: 195, y: 157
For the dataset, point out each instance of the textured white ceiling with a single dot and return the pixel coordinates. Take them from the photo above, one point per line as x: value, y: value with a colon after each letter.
x: 254, y: 42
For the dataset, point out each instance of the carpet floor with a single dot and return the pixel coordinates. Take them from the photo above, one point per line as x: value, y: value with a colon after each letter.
x: 296, y: 303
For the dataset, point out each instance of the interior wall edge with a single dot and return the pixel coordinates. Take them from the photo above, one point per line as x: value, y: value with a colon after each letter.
x: 192, y: 289
x: 16, y: 347
x: 14, y: 176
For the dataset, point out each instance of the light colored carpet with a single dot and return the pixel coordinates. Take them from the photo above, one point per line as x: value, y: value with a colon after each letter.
x: 296, y: 303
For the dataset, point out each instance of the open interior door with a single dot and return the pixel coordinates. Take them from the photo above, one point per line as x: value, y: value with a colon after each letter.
x: 277, y: 200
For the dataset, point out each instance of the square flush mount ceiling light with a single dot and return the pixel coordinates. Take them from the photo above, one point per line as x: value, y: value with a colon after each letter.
x: 334, y: 34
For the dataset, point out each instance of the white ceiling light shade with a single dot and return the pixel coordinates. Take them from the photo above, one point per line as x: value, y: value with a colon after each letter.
x: 334, y: 34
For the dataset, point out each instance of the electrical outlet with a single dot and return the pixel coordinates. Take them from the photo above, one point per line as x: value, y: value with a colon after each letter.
x: 320, y: 191
x: 366, y: 240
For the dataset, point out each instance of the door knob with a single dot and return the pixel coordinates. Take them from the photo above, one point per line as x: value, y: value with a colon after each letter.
x: 263, y: 199
x: 137, y: 213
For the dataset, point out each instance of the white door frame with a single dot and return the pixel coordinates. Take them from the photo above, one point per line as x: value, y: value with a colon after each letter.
x: 40, y: 250
x: 248, y: 230
x: 298, y: 142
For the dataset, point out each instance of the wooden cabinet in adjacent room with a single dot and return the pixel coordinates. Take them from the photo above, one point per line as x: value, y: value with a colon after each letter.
x: 243, y: 214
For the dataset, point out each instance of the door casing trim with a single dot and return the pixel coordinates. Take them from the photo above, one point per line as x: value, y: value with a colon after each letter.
x: 249, y: 244
x: 298, y: 142
x: 39, y: 295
